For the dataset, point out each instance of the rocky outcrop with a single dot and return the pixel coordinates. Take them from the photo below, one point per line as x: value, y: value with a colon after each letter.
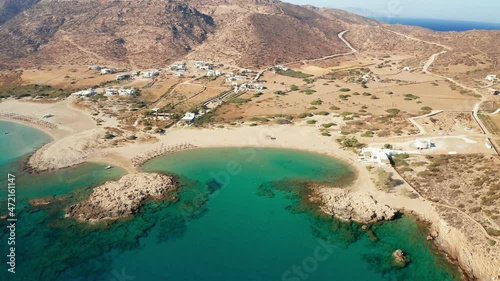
x: 42, y: 201
x: 356, y: 206
x: 122, y: 198
x: 399, y: 258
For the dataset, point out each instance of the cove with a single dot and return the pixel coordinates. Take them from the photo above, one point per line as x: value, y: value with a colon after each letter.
x: 239, y: 215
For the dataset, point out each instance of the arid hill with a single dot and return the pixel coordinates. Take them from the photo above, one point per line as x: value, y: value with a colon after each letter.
x: 149, y: 33
x: 146, y: 33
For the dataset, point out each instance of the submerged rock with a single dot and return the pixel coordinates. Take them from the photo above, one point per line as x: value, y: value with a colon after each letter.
x: 122, y: 198
x: 354, y: 206
x: 399, y: 258
x: 41, y: 201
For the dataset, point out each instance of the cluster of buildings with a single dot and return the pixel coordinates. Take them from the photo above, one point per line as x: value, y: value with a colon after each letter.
x: 121, y: 92
x: 215, y: 73
x: 371, y: 155
x: 203, y: 65
x: 180, y: 66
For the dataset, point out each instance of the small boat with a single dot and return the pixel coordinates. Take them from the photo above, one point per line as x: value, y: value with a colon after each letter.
x: 6, y: 132
x: 108, y: 167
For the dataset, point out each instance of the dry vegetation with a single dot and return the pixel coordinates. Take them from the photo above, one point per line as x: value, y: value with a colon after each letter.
x: 469, y: 183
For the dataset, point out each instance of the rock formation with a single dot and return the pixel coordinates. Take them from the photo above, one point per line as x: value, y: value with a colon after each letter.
x: 41, y: 201
x: 122, y: 198
x: 399, y: 258
x: 356, y: 206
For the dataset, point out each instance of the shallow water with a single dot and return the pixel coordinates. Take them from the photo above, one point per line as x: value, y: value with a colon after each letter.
x: 239, y: 216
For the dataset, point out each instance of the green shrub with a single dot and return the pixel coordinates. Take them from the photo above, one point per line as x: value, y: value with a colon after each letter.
x: 393, y: 111
x: 311, y: 122
x: 345, y: 90
x: 308, y: 92
x: 305, y: 114
x: 317, y: 102
x: 293, y: 73
x: 367, y: 134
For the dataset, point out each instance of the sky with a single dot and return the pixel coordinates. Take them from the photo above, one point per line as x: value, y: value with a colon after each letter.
x: 466, y: 10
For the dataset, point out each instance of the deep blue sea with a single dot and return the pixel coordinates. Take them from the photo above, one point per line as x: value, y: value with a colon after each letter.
x: 442, y: 25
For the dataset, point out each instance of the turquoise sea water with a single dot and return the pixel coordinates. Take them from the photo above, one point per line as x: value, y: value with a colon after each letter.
x: 239, y: 215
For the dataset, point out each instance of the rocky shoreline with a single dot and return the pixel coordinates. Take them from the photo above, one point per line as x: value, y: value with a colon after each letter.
x: 123, y: 198
x: 354, y: 206
x: 361, y: 207
x: 451, y: 242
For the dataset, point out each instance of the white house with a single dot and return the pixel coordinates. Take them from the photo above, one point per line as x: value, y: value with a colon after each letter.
x: 491, y: 78
x: 374, y: 155
x: 211, y: 73
x: 150, y: 74
x: 178, y: 66
x: 406, y: 68
x: 257, y: 87
x: 422, y: 144
x: 240, y: 77
x: 95, y: 67
x: 188, y: 118
x: 126, y: 92
x: 281, y: 67
x: 218, y: 73
x: 85, y: 93
x: 122, y: 77
x: 111, y: 91
x: 106, y: 71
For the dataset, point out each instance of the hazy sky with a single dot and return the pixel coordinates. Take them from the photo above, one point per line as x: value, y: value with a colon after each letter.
x: 478, y: 10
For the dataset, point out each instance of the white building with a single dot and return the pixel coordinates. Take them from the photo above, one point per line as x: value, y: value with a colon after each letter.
x: 85, y: 93
x: 281, y: 67
x: 407, y: 68
x: 95, y: 67
x: 491, y: 78
x: 211, y: 73
x: 375, y: 156
x: 111, y: 91
x: 422, y: 144
x: 188, y: 118
x: 106, y: 71
x: 126, y: 92
x: 150, y: 74
x: 218, y: 73
x: 179, y: 66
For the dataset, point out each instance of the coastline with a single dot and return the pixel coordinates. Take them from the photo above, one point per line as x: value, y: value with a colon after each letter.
x: 450, y: 240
